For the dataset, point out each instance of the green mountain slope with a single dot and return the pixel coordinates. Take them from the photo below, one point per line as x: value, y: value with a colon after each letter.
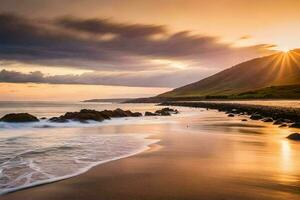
x: 273, y: 92
x: 273, y: 70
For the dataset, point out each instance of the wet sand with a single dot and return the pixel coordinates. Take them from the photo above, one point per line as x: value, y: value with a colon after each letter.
x: 199, y: 157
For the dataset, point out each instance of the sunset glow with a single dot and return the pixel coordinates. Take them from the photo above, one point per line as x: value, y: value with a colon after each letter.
x: 138, y: 44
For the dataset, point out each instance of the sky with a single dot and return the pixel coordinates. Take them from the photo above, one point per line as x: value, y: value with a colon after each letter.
x: 75, y: 50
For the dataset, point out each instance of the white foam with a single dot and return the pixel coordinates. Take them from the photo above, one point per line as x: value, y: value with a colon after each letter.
x: 51, y: 178
x: 90, y: 123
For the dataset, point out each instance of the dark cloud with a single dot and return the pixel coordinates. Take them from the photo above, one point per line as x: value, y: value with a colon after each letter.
x: 104, y: 26
x: 36, y: 40
x: 141, y: 79
x: 78, y: 43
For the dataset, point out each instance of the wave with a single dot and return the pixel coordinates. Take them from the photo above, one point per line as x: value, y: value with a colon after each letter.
x: 27, y: 160
x: 75, y: 124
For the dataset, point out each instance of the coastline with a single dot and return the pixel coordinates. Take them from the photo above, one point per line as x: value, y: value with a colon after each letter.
x: 275, y: 112
x: 148, y: 144
x: 184, y: 164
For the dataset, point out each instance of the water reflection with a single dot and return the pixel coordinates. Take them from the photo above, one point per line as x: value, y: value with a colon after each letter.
x: 286, y: 161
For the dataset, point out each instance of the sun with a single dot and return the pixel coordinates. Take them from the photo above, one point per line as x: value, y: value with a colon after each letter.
x: 285, y: 49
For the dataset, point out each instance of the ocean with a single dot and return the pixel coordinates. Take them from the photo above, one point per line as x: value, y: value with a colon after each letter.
x: 43, y: 152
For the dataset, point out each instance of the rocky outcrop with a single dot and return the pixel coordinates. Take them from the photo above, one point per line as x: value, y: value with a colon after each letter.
x: 294, y: 136
x: 86, y: 114
x: 295, y: 125
x: 268, y: 119
x: 280, y: 115
x: 147, y: 113
x: 162, y: 112
x: 19, y: 117
x: 166, y: 111
x: 256, y: 116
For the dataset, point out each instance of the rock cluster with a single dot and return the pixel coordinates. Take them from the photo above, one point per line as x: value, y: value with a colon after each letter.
x: 85, y: 114
x: 162, y: 112
x: 278, y: 115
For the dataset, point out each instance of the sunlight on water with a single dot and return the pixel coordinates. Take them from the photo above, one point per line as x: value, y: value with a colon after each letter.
x: 286, y: 156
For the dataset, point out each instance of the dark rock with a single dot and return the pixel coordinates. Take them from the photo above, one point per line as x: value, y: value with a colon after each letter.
x: 107, y: 114
x: 85, y: 114
x: 58, y: 120
x: 230, y: 115
x: 287, y: 121
x: 137, y: 114
x: 294, y: 136
x: 278, y: 122
x: 244, y: 120
x: 150, y: 114
x: 163, y: 113
x: 283, y: 125
x: 121, y: 113
x: 256, y: 116
x: 43, y: 118
x: 267, y: 120
x: 19, y: 117
x: 295, y: 125
x: 170, y: 110
x: 166, y: 111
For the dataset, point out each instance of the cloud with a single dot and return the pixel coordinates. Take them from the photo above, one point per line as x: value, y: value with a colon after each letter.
x: 83, y: 43
x: 105, y: 26
x: 141, y: 79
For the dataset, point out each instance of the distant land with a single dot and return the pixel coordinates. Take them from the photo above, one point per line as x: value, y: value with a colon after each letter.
x: 271, y: 77
x: 117, y: 100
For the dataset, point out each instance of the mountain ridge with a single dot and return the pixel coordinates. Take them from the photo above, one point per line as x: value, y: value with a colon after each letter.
x: 273, y: 70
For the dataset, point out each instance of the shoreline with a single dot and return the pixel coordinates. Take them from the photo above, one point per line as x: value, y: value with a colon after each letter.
x: 180, y: 165
x: 149, y: 144
x: 274, y: 112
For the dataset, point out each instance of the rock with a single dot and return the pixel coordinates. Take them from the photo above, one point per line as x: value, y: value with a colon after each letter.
x: 287, y: 121
x: 58, y: 120
x: 137, y: 114
x: 43, y: 118
x: 170, y: 110
x: 295, y: 125
x: 283, y: 125
x: 150, y: 114
x: 230, y: 115
x: 244, y: 120
x: 162, y: 113
x: 256, y: 117
x: 166, y: 111
x: 278, y: 121
x: 85, y: 114
x: 267, y: 120
x: 121, y: 113
x: 19, y: 117
x: 107, y: 114
x: 294, y: 136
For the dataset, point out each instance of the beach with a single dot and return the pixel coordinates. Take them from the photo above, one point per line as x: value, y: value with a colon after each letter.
x: 199, y: 154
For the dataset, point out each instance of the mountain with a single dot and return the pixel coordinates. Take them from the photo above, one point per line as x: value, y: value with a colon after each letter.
x: 273, y: 92
x: 274, y: 70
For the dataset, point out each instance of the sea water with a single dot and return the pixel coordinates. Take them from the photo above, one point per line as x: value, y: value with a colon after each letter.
x: 41, y: 152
